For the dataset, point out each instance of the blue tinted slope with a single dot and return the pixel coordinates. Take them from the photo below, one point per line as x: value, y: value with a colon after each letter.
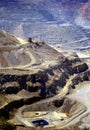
x: 53, y: 21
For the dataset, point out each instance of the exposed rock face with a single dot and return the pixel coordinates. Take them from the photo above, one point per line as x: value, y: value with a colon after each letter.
x: 80, y: 68
x: 46, y: 82
x: 37, y: 72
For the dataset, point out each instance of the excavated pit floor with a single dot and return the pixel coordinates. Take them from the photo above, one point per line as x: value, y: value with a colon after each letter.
x: 56, y: 113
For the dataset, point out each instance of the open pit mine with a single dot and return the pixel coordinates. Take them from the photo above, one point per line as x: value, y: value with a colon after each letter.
x: 41, y: 86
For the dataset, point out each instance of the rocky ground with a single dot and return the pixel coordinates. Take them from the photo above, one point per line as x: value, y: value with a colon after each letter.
x: 35, y: 74
x: 23, y: 128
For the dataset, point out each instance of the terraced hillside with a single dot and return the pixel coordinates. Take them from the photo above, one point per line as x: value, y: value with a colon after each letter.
x: 32, y: 71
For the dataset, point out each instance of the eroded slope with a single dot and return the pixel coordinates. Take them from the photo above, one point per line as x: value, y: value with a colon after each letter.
x: 31, y: 71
